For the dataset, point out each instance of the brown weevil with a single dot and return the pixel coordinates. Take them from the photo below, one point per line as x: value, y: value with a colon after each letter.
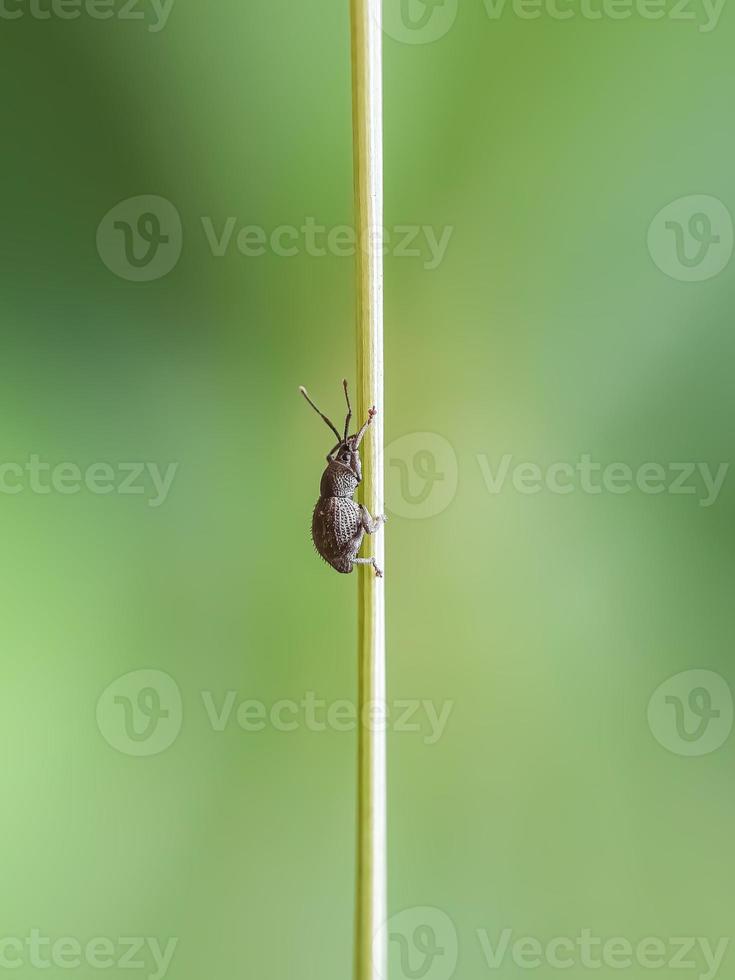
x: 340, y: 523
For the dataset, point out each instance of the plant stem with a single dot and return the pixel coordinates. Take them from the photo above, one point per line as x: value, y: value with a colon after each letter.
x: 371, y: 901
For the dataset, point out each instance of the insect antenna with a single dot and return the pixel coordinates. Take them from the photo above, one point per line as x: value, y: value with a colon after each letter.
x: 324, y: 417
x: 368, y: 421
x: 349, y: 409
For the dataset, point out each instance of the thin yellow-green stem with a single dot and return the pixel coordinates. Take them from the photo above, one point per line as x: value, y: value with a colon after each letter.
x: 371, y: 899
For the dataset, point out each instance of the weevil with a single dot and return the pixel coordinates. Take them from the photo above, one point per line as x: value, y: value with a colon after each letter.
x: 339, y: 522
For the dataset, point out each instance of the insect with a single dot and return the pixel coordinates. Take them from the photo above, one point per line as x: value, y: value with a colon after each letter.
x: 340, y: 523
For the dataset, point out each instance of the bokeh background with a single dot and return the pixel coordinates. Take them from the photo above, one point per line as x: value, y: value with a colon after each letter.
x: 548, y: 330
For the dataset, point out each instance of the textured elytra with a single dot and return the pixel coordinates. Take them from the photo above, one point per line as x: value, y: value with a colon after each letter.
x: 337, y: 531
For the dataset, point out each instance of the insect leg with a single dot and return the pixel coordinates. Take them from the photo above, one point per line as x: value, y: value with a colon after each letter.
x: 369, y: 524
x: 368, y: 561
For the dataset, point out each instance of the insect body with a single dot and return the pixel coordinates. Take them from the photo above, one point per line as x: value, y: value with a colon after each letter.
x: 340, y: 523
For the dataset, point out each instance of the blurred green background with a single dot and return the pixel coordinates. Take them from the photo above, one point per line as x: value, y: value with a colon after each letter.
x: 548, y: 330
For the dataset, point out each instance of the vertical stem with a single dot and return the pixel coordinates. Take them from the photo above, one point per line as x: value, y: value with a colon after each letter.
x: 371, y: 902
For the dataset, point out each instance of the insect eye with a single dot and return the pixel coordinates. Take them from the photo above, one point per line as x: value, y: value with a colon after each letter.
x: 345, y: 457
